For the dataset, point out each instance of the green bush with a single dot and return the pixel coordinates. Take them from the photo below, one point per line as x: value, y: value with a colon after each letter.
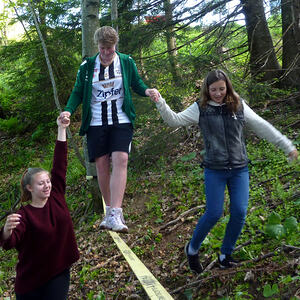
x: 12, y: 126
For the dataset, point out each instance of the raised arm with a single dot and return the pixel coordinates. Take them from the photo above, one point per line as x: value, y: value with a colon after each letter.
x: 63, y: 121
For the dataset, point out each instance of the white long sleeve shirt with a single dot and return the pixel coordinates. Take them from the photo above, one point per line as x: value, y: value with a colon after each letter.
x: 261, y: 127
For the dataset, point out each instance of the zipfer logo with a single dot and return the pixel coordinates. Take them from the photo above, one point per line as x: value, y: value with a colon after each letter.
x: 112, y: 92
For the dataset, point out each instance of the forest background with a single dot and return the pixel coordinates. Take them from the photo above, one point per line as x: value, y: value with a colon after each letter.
x: 174, y: 43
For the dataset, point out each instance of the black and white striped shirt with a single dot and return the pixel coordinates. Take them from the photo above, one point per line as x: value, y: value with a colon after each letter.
x: 108, y: 94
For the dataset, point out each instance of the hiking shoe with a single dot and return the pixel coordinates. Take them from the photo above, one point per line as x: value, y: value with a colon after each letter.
x: 193, y: 260
x: 227, y: 262
x: 115, y: 221
x: 103, y: 224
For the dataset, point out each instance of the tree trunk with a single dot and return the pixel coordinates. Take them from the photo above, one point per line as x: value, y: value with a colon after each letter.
x: 290, y: 14
x: 90, y: 22
x: 171, y: 41
x: 114, y: 14
x: 263, y: 61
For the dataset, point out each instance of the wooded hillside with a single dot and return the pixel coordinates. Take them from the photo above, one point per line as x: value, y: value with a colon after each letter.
x: 174, y: 44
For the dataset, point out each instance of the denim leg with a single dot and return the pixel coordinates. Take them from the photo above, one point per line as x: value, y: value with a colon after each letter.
x: 238, y: 189
x: 215, y: 183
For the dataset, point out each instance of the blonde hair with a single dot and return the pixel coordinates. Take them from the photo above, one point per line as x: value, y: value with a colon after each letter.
x: 232, y: 99
x: 106, y: 35
x: 26, y: 179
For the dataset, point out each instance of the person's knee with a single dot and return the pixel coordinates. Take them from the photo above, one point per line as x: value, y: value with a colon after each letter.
x: 239, y: 216
x: 213, y: 216
x: 120, y: 159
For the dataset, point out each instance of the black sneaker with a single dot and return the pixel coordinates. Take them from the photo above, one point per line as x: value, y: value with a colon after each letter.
x: 227, y: 262
x: 193, y: 260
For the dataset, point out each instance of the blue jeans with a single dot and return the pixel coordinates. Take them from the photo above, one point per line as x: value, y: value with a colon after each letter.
x: 237, y: 182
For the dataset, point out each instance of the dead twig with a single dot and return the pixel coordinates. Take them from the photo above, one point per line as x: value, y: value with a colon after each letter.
x: 220, y: 273
x: 180, y: 217
x: 103, y: 264
x: 277, y: 177
x: 291, y: 125
x: 291, y: 247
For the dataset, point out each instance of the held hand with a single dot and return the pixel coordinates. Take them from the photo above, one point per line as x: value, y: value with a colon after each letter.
x: 153, y: 94
x: 11, y: 223
x: 63, y: 120
x: 293, y: 155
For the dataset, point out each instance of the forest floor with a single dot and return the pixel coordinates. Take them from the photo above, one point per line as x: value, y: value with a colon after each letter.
x: 162, y: 204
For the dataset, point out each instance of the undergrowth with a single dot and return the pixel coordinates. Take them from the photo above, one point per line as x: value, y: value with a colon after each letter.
x: 165, y: 181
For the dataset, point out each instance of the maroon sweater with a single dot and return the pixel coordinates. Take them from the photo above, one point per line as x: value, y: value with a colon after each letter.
x: 45, y: 238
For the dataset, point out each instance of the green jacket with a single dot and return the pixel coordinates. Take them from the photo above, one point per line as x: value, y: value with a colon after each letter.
x: 82, y: 91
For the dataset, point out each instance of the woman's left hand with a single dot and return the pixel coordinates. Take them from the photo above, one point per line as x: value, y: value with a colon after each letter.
x: 293, y: 155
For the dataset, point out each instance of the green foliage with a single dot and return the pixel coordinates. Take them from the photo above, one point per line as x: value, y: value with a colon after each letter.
x: 12, y: 126
x: 275, y: 229
x: 270, y: 290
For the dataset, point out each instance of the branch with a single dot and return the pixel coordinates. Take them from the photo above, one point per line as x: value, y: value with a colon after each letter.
x: 20, y: 20
x: 277, y: 177
x: 181, y: 216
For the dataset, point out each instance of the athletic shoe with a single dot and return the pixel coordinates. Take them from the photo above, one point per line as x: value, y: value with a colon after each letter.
x: 193, y: 260
x: 103, y: 224
x: 227, y: 262
x: 114, y: 221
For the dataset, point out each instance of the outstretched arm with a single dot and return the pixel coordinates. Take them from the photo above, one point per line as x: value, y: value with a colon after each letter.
x: 267, y: 131
x: 293, y: 155
x: 153, y: 94
x: 187, y: 117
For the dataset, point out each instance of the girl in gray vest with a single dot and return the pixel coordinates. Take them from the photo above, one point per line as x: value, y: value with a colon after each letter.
x: 221, y: 115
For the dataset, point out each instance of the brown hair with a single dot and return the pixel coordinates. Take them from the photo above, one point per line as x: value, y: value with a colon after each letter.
x: 27, y: 178
x: 106, y: 35
x: 232, y: 99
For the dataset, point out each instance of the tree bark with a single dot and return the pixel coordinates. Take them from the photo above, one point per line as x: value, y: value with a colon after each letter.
x: 90, y: 22
x: 114, y: 14
x: 290, y: 15
x: 263, y: 61
x: 171, y: 41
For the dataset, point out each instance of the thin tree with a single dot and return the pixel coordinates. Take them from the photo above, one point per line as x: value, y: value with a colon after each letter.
x: 171, y: 41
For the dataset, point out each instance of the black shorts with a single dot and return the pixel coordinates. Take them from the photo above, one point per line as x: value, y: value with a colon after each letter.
x: 102, y: 140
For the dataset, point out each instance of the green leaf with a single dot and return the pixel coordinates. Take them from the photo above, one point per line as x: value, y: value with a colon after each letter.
x: 275, y: 288
x: 274, y: 218
x: 267, y: 291
x: 188, y: 294
x: 275, y: 231
x: 270, y: 291
x: 188, y: 156
x: 291, y: 224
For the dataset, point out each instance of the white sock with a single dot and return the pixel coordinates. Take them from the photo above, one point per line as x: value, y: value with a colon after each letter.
x: 107, y: 208
x: 222, y: 256
x: 192, y: 251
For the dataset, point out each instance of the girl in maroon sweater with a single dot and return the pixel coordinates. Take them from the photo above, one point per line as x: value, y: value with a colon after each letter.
x: 42, y: 231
